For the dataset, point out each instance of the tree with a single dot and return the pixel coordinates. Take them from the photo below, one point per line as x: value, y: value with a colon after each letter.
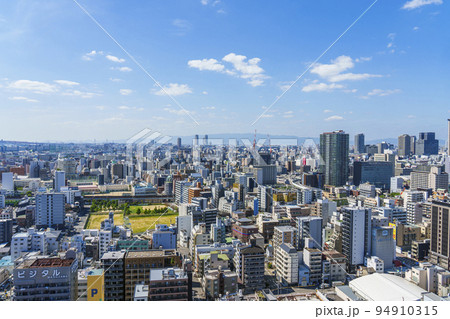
x: 138, y: 211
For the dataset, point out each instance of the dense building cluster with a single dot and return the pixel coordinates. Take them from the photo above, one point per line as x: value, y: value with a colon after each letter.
x: 235, y: 221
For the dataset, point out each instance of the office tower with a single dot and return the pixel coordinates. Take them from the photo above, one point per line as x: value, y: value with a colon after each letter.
x: 404, y: 145
x: 356, y: 235
x: 50, y: 210
x: 383, y: 245
x: 7, y: 181
x: 265, y: 198
x: 60, y: 180
x: 382, y: 147
x: 309, y: 227
x: 265, y: 174
x: 205, y: 140
x: 413, y: 145
x: 101, y: 180
x: 334, y: 153
x: 196, y: 140
x: 117, y: 170
x: 46, y: 279
x: 375, y: 173
x: 419, y: 179
x: 2, y: 201
x: 179, y: 142
x: 440, y: 234
x: 360, y: 146
x: 114, y: 275
x: 427, y: 144
x: 438, y: 179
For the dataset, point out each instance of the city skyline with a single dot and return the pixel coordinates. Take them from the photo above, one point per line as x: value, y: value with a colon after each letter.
x: 225, y: 63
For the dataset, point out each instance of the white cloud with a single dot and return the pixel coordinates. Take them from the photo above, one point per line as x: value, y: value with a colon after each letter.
x: 333, y: 72
x: 334, y: 118
x: 89, y: 56
x: 249, y: 69
x: 125, y: 91
x: 122, y: 69
x: 416, y: 29
x: 209, y: 108
x: 322, y: 87
x: 22, y: 98
x: 66, y: 83
x: 206, y: 64
x: 411, y: 116
x: 241, y: 67
x: 84, y: 95
x: 414, y: 4
x: 115, y: 59
x: 205, y: 93
x: 204, y: 2
x: 327, y: 111
x: 266, y: 115
x: 174, y: 89
x: 173, y: 111
x: 33, y: 86
x: 379, y: 92
x: 124, y: 107
x: 183, y: 26
x: 115, y: 80
x: 100, y: 107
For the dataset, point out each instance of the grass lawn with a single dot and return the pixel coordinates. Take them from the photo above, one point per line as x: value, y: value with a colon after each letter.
x: 142, y: 207
x: 139, y: 224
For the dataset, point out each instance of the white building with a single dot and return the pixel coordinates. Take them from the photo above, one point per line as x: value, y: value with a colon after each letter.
x: 50, y: 210
x: 60, y: 180
x: 287, y: 264
x: 44, y: 241
x: 105, y: 239
x: 375, y: 263
x: 397, y: 184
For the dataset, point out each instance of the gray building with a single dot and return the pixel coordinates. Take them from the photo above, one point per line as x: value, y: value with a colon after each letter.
x: 383, y: 245
x: 113, y: 265
x: 46, y: 279
x: 50, y: 210
x: 309, y: 227
x: 360, y: 147
x: 404, y: 145
x: 427, y: 144
x: 6, y: 230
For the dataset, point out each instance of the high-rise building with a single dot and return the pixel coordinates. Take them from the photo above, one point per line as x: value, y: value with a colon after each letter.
x: 375, y: 173
x: 287, y: 264
x: 334, y: 152
x: 114, y: 275
x: 413, y: 145
x: 168, y: 284
x: 440, y: 234
x: 50, y: 210
x: 438, y: 179
x: 60, y: 180
x: 356, y: 234
x: 179, y: 142
x: 404, y: 145
x: 6, y: 230
x: 360, y: 146
x: 427, y: 144
x: 383, y: 245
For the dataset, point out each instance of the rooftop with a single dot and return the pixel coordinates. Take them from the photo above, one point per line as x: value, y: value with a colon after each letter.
x: 51, y: 262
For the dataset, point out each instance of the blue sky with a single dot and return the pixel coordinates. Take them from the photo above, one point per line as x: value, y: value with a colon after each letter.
x: 225, y: 62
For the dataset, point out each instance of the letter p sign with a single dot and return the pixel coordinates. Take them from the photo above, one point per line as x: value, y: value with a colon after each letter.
x: 94, y: 292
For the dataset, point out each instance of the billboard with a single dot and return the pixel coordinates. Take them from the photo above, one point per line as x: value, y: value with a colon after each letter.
x: 95, y: 285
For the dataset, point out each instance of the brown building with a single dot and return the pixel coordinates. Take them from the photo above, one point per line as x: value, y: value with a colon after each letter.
x: 440, y: 234
x: 243, y: 228
x: 139, y: 263
x: 194, y: 192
